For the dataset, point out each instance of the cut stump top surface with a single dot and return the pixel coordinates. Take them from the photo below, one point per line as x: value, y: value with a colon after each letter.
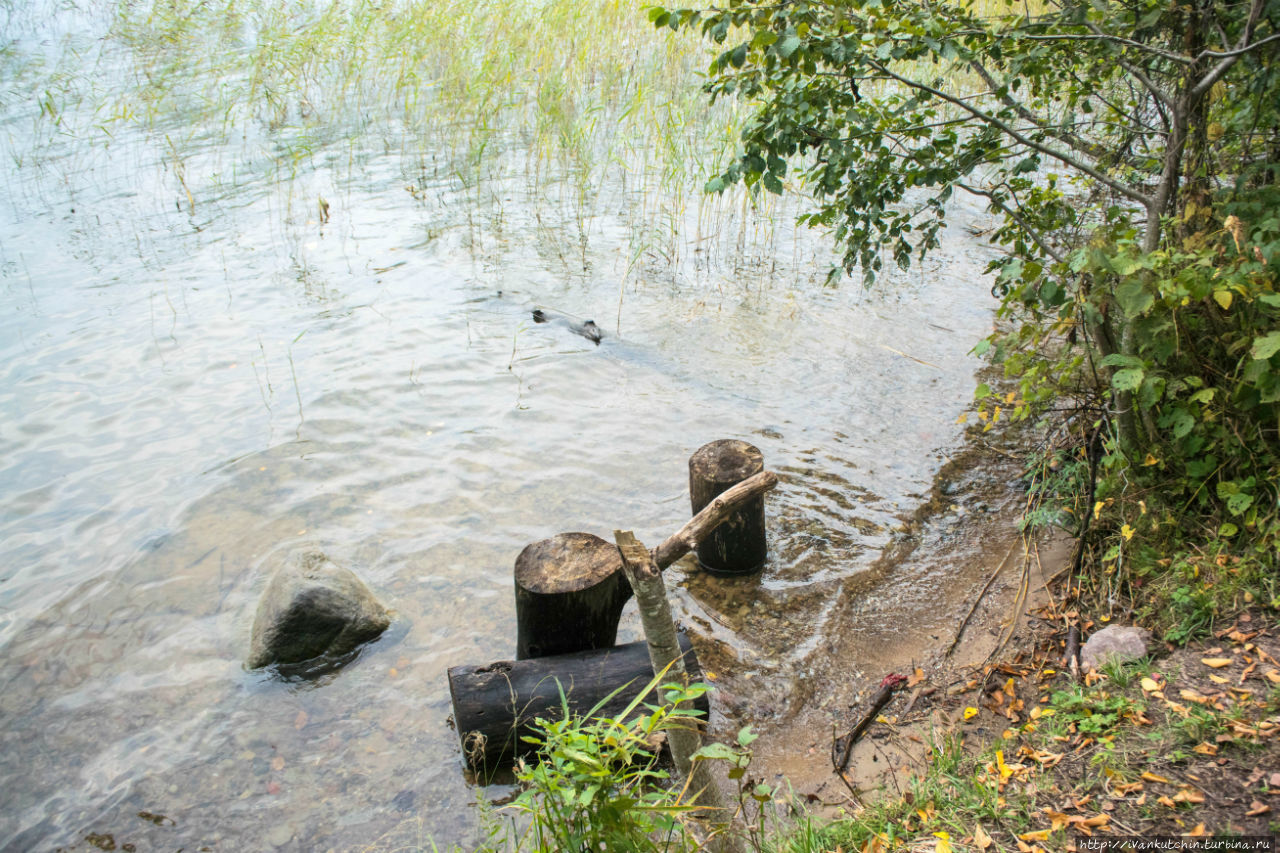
x: 567, y: 562
x: 726, y: 461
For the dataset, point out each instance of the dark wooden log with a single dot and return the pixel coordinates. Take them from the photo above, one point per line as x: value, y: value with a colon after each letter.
x: 568, y: 599
x: 569, y: 595
x: 710, y: 517
x: 494, y: 706
x: 738, y: 546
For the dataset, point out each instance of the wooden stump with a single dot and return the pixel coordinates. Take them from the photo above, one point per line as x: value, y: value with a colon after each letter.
x: 569, y: 595
x: 494, y: 706
x: 738, y: 546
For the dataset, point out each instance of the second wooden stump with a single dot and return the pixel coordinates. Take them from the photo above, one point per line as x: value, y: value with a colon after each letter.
x: 570, y: 591
x: 738, y: 546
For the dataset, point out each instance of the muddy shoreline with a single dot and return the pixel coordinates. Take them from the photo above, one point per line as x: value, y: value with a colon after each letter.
x: 901, y: 616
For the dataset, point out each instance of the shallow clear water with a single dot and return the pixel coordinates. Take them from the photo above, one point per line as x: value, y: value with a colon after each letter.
x: 201, y: 372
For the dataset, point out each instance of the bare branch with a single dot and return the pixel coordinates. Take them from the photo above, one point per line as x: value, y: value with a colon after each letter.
x: 710, y: 517
x: 1061, y: 156
x: 1013, y: 214
x: 1238, y: 51
x: 1100, y: 35
x: 1092, y: 149
x: 1230, y: 57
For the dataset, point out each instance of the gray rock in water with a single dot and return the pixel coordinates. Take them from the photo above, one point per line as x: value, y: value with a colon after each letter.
x: 1118, y: 643
x: 313, y: 608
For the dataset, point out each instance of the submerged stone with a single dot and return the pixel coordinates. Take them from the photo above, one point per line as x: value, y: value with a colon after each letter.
x: 1116, y: 643
x: 313, y: 608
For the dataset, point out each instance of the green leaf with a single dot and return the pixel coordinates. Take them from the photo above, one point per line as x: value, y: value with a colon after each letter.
x: 1126, y: 264
x: 1266, y: 346
x: 764, y: 38
x: 1118, y: 360
x: 1180, y: 422
x: 1134, y: 298
x: 1128, y: 379
x: 1237, y: 504
x: 787, y: 46
x: 716, y: 751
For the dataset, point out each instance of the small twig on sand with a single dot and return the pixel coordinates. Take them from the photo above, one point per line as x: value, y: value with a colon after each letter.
x: 1020, y: 600
x: 964, y: 623
x: 1073, y: 651
x: 890, y: 684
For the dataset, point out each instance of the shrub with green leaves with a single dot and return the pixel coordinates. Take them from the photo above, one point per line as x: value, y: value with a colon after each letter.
x: 1131, y: 152
x: 597, y: 783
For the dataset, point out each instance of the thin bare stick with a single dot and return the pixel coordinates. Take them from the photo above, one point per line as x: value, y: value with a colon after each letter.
x: 890, y: 684
x: 981, y: 594
x: 664, y: 654
x: 710, y: 517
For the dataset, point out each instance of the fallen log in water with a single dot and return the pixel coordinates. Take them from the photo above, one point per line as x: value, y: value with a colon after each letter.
x: 494, y: 706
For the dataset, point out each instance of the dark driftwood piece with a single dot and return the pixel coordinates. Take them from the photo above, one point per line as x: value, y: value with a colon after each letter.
x: 1072, y: 657
x: 569, y: 595
x: 570, y: 589
x: 738, y: 546
x: 494, y: 706
x: 888, y: 686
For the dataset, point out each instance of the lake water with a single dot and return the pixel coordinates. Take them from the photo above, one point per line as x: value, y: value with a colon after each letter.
x: 216, y: 350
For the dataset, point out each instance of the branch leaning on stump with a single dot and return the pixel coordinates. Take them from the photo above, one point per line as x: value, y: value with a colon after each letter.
x: 645, y: 577
x: 710, y: 517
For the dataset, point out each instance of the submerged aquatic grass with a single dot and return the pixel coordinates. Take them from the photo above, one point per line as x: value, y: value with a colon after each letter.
x: 594, y: 114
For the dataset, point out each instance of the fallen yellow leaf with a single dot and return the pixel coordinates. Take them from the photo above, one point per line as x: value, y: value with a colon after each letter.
x: 1150, y: 685
x: 1216, y: 663
x: 970, y: 713
x: 1198, y: 831
x: 980, y: 838
x: 1038, y: 835
x: 1152, y: 777
x: 1005, y: 770
x: 1257, y: 808
x: 1188, y: 795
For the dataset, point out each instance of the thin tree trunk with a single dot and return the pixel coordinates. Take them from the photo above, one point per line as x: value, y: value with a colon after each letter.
x: 664, y: 652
